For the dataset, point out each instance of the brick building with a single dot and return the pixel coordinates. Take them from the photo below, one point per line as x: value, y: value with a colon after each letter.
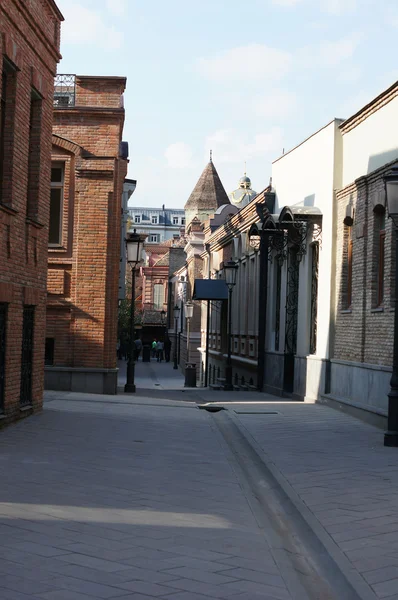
x: 89, y: 165
x: 364, y: 281
x: 29, y: 50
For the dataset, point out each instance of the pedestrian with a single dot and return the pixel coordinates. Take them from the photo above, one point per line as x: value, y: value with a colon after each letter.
x: 159, y: 351
x: 167, y: 348
x: 154, y: 348
x: 138, y: 348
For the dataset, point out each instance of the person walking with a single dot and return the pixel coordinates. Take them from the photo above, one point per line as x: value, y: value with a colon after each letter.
x: 154, y: 349
x: 159, y: 351
x: 138, y: 348
x: 167, y: 348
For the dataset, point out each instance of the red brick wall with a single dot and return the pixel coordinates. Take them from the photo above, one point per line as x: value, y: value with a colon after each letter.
x: 84, y: 273
x: 29, y: 38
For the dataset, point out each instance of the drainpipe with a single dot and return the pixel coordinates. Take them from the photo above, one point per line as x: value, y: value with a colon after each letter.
x: 207, y: 246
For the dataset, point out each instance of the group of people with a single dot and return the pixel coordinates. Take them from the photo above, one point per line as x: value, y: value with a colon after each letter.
x: 159, y: 350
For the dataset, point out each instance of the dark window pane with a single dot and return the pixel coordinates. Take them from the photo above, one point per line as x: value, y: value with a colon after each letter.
x: 49, y: 352
x: 54, y: 236
x: 56, y: 174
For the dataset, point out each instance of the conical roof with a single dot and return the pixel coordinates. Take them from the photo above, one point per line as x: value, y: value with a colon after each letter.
x: 209, y: 192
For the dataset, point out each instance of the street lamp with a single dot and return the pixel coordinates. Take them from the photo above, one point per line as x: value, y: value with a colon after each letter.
x: 176, y: 311
x: 391, y: 435
x: 134, y: 252
x: 230, y: 272
x: 190, y: 370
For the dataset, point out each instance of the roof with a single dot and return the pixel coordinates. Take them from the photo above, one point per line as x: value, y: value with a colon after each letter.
x: 209, y: 192
x: 210, y: 289
x: 362, y: 114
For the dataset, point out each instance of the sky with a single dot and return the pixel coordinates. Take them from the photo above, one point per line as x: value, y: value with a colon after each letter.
x: 246, y: 79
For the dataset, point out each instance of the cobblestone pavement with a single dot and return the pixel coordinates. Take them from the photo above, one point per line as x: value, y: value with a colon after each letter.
x: 340, y: 469
x: 106, y: 497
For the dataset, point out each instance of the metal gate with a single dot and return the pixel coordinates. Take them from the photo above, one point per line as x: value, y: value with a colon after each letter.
x: 291, y: 318
x: 27, y: 356
x: 3, y: 330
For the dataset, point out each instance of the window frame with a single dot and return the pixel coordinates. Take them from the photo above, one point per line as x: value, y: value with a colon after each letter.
x: 154, y: 220
x: 137, y: 219
x: 156, y: 240
x: 156, y: 304
x: 379, y: 215
x: 59, y: 185
x: 176, y: 220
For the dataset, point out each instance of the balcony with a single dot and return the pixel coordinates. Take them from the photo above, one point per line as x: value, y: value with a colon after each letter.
x: 64, y: 91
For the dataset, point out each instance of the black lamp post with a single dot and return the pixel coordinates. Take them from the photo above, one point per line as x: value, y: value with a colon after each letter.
x: 391, y: 436
x: 230, y: 272
x: 134, y: 251
x: 163, y: 322
x: 176, y: 315
x: 190, y: 369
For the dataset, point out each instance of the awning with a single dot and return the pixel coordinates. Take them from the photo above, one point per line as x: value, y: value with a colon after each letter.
x: 210, y: 289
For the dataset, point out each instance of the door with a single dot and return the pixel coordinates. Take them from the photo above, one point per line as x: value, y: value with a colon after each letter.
x: 27, y: 356
x: 292, y: 291
x: 3, y: 329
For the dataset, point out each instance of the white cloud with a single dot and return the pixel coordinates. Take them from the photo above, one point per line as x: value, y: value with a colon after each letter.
x: 231, y: 146
x: 333, y: 7
x: 179, y: 155
x: 330, y: 53
x: 286, y: 2
x: 275, y: 104
x: 245, y: 63
x: 86, y: 26
x: 339, y: 7
x: 117, y: 7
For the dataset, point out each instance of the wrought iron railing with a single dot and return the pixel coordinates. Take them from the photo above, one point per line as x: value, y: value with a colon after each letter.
x: 64, y: 91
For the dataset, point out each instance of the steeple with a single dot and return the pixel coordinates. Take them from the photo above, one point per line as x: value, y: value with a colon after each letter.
x: 208, y: 194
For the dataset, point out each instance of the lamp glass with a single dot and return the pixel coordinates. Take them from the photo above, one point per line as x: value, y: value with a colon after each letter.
x: 188, y: 310
x: 392, y: 196
x: 134, y: 248
x: 176, y: 311
x: 230, y: 272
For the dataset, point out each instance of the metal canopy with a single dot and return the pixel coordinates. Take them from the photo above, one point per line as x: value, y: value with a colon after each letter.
x: 210, y: 289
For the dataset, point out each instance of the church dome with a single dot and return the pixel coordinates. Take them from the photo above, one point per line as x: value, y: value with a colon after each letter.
x: 244, y: 194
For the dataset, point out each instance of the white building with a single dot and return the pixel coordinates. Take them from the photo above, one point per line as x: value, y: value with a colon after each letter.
x: 160, y: 224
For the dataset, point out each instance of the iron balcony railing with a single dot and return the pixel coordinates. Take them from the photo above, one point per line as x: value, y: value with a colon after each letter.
x: 64, y: 91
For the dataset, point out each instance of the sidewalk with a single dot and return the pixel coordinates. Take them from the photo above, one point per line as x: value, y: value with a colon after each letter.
x: 101, y: 499
x: 338, y: 469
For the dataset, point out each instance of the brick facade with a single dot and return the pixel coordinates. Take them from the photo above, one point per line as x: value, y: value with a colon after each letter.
x: 365, y: 329
x: 29, y: 51
x: 83, y: 262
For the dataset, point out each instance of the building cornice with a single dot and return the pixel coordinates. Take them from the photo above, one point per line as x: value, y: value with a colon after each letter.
x: 370, y: 108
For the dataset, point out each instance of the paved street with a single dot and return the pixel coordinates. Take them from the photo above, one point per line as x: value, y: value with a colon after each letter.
x: 139, y: 497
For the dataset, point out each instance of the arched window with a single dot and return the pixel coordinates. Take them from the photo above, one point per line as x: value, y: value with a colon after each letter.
x: 347, y: 268
x: 379, y: 236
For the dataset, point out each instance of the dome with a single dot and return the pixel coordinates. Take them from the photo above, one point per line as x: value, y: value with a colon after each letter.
x: 245, y: 182
x: 244, y: 194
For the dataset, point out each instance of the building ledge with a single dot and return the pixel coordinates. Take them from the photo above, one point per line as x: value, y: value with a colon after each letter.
x: 8, y: 209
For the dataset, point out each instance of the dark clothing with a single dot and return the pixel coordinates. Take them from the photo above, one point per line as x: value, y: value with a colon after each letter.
x: 167, y: 349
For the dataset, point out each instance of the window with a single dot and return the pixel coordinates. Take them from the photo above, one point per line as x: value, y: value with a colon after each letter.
x: 347, y: 268
x: 379, y: 236
x: 158, y: 296
x: 7, y: 107
x: 175, y: 220
x: 34, y: 154
x: 49, y: 351
x: 182, y: 220
x: 154, y: 238
x: 154, y: 219
x: 137, y: 218
x: 56, y: 204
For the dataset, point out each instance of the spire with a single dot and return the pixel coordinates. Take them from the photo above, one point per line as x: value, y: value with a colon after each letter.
x: 211, y: 155
x: 207, y: 195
